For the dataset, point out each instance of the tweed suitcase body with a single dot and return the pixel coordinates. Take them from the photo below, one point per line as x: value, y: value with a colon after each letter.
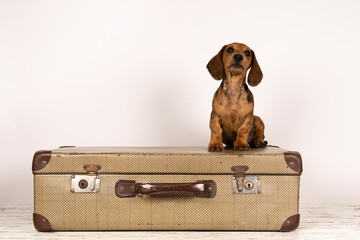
x: 166, y: 188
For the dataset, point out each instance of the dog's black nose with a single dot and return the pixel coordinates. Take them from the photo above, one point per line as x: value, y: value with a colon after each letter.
x: 238, y: 57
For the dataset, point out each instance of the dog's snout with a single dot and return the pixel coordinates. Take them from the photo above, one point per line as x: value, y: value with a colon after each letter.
x: 238, y: 57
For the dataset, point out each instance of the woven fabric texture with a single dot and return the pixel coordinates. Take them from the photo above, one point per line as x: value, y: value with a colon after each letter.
x: 268, y: 161
x: 279, y: 199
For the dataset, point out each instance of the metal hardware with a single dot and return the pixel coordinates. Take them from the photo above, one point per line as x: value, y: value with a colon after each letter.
x: 89, y: 183
x: 92, y: 168
x: 239, y: 175
x: 85, y: 184
x: 252, y: 185
x: 248, y: 185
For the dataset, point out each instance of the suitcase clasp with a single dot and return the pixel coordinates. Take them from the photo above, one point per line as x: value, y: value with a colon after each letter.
x: 85, y: 184
x: 243, y: 184
x: 239, y: 175
x: 92, y: 169
x: 89, y: 183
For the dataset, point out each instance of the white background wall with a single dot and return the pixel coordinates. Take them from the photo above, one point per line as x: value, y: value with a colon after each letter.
x: 132, y: 73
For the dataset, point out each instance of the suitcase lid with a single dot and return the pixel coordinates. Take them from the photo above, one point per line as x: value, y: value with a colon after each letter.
x: 165, y: 160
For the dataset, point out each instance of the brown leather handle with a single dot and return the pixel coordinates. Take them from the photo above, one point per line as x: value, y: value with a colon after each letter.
x: 202, y: 188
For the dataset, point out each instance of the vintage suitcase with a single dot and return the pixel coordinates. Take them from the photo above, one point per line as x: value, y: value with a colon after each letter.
x: 166, y: 188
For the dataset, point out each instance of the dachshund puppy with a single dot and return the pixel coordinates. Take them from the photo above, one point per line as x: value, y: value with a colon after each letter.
x: 232, y: 120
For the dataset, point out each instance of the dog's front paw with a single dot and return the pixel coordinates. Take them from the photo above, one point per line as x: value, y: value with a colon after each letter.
x: 239, y: 146
x: 216, y: 146
x: 259, y: 143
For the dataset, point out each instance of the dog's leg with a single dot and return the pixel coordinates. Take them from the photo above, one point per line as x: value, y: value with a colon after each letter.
x: 241, y: 142
x: 216, y: 131
x: 259, y: 128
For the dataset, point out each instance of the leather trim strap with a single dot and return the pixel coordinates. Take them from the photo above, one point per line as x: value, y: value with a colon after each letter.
x: 203, y: 188
x: 291, y: 223
x: 41, y: 159
x: 294, y: 161
x: 210, y: 189
x: 41, y: 223
x: 170, y: 173
x: 125, y: 188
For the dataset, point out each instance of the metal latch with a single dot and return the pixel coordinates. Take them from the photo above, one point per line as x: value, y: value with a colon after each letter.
x: 89, y: 183
x: 92, y: 169
x: 239, y: 176
x: 243, y: 184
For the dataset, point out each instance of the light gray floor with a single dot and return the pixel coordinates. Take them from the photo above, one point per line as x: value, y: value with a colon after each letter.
x: 317, y: 222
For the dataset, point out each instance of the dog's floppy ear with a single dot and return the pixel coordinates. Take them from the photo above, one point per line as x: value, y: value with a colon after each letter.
x: 255, y: 74
x: 216, y: 67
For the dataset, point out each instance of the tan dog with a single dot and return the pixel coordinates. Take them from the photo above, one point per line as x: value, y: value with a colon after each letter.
x: 232, y: 120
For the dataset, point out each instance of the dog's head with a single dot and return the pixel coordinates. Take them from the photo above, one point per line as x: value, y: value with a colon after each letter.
x: 235, y: 58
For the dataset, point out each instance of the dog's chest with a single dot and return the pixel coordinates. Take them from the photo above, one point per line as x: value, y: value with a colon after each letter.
x: 236, y: 114
x: 236, y: 102
x: 233, y: 108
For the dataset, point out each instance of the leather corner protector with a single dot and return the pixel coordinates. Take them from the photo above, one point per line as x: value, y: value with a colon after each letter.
x: 41, y: 223
x: 40, y: 160
x: 294, y: 161
x: 291, y: 223
x: 210, y: 188
x: 125, y: 188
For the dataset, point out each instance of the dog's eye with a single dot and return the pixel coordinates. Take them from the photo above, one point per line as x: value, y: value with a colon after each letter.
x: 230, y: 49
x: 247, y: 53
